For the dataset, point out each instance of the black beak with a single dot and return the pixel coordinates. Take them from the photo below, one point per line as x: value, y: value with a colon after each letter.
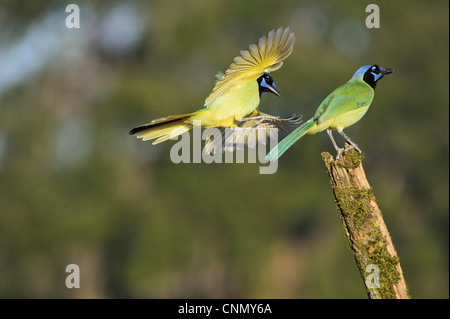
x: 385, y: 71
x: 274, y: 90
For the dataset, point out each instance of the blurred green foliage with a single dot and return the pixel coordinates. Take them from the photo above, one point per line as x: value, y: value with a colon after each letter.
x: 75, y: 188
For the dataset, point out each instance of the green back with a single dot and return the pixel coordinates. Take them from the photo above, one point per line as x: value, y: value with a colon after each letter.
x: 348, y: 97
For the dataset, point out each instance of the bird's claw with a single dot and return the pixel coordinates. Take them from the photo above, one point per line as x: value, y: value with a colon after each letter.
x: 348, y: 148
x: 258, y: 120
x: 353, y: 146
x: 339, y: 152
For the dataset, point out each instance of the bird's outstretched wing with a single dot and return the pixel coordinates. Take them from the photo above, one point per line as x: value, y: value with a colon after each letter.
x: 255, y: 129
x: 263, y: 57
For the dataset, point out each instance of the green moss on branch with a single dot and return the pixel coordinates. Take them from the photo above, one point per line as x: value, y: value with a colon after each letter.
x: 364, y: 226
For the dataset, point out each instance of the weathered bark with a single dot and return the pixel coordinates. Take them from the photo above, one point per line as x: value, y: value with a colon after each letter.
x: 364, y: 226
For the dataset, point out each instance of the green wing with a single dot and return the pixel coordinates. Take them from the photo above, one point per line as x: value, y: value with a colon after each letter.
x: 345, y: 98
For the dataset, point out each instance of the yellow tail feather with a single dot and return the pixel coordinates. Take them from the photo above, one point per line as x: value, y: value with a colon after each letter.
x: 163, y: 128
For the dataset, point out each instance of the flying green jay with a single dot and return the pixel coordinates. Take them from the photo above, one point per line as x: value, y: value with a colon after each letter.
x: 234, y: 101
x: 342, y: 108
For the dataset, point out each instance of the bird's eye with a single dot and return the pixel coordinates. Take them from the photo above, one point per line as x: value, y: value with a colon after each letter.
x: 375, y: 69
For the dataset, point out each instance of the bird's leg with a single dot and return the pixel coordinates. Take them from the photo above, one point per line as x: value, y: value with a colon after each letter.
x: 338, y: 150
x: 353, y: 144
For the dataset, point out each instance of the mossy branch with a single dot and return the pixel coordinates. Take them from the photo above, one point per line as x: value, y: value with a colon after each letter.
x: 364, y: 226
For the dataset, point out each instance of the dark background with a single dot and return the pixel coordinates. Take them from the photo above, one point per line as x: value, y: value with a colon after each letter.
x: 76, y: 188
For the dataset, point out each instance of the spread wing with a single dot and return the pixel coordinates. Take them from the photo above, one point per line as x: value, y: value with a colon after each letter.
x: 264, y: 57
x: 255, y: 129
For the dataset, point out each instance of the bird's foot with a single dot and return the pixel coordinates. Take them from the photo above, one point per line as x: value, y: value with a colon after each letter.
x: 257, y: 120
x: 350, y: 142
x: 353, y: 145
x: 339, y: 152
